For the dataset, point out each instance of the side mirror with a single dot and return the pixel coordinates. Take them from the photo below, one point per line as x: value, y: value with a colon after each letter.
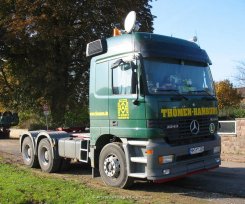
x: 117, y: 63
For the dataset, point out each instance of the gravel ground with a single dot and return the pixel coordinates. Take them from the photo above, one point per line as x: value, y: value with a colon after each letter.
x: 224, y: 185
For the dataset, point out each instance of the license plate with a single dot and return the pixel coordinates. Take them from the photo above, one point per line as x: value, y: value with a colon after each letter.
x: 196, y: 150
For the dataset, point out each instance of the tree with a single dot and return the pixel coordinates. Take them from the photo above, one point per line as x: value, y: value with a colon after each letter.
x: 42, y: 44
x: 227, y: 95
x: 240, y: 77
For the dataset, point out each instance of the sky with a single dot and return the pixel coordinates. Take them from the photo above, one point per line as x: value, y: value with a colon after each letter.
x: 218, y: 24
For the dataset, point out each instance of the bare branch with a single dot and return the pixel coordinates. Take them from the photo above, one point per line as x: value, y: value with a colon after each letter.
x: 240, y: 76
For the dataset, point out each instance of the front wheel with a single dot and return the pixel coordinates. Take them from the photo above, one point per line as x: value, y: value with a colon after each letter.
x: 113, y: 167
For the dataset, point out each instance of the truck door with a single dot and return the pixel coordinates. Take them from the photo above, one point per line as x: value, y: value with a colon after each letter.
x: 98, y: 99
x: 126, y: 104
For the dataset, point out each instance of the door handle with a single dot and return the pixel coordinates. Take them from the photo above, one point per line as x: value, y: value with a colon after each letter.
x: 114, y: 123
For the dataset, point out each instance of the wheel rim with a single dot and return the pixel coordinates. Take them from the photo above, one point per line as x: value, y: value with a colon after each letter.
x: 27, y: 153
x: 112, y: 166
x: 44, y: 156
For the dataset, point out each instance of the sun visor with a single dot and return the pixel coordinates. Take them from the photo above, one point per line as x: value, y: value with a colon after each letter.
x: 183, y: 51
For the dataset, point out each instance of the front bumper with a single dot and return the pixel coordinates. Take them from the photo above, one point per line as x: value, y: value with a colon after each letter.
x: 184, y: 163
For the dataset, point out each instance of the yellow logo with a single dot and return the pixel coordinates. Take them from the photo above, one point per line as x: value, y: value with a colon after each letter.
x: 182, y: 112
x: 122, y: 109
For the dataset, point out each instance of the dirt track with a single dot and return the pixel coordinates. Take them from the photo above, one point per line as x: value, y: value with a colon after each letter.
x: 224, y: 185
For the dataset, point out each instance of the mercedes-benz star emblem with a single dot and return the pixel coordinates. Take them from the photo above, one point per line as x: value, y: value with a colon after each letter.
x: 194, y: 127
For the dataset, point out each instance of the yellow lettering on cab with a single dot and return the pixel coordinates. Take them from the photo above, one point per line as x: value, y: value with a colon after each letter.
x: 184, y: 112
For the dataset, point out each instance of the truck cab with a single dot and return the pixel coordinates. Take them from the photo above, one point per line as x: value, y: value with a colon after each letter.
x: 155, y: 94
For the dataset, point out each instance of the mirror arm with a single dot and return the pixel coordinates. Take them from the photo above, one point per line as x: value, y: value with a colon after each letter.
x: 136, y: 101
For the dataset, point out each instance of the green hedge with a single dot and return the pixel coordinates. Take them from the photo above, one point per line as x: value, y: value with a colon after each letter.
x: 231, y: 113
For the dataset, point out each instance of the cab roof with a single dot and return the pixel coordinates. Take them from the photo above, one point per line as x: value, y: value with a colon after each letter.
x: 153, y: 45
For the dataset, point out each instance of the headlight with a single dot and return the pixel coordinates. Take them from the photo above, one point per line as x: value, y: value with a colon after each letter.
x: 217, y: 149
x: 165, y: 159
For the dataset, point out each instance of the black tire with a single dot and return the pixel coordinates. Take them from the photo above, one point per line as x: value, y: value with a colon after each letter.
x: 65, y: 164
x: 28, y: 156
x: 113, y: 167
x: 48, y: 161
x: 4, y: 133
x: 1, y: 134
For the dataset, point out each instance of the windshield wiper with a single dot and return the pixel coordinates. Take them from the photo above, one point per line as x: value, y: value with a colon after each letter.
x: 203, y: 91
x: 172, y: 90
x: 167, y: 90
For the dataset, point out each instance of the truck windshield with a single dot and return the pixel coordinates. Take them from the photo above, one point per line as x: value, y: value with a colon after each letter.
x: 182, y: 78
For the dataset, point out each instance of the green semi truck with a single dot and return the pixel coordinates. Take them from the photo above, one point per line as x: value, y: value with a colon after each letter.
x: 153, y: 113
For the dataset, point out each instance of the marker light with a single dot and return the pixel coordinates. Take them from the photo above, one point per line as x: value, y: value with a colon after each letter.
x: 116, y: 32
x: 149, y: 151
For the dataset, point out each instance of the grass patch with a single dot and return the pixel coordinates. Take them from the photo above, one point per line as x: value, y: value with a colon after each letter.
x: 23, y: 186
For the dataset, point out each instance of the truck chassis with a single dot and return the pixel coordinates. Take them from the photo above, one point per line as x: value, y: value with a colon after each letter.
x: 119, y: 162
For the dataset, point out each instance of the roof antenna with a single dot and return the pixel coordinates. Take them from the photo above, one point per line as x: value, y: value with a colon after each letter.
x: 196, y: 39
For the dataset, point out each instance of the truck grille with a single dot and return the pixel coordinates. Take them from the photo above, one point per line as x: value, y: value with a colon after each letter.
x: 178, y: 132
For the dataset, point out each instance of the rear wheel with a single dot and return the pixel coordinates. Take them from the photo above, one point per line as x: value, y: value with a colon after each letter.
x: 48, y: 160
x: 112, y: 166
x: 29, y: 158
